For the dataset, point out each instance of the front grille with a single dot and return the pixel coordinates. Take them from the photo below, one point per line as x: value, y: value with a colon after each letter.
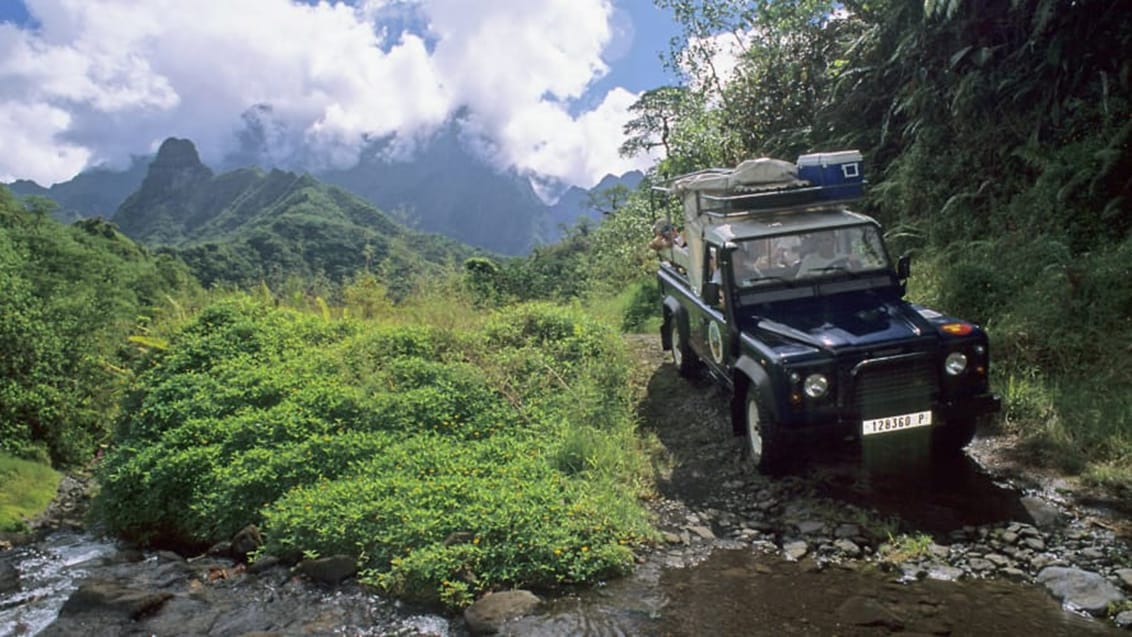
x: 893, y: 385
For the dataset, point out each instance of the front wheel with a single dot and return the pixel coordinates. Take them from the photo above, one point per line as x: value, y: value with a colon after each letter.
x: 764, y: 445
x: 682, y: 355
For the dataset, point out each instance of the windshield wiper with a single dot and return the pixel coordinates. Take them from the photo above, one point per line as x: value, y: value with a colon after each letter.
x: 753, y: 282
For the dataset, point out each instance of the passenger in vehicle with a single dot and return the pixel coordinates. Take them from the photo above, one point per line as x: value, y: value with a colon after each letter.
x: 665, y: 235
x: 751, y: 261
x: 822, y: 256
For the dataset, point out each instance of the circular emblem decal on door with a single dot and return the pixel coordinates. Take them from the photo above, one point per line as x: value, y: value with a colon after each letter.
x: 715, y: 342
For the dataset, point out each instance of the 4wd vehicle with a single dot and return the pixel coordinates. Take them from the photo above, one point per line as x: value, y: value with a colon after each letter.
x: 791, y: 301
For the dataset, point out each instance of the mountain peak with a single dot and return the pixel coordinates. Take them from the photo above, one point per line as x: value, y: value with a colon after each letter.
x: 176, y: 167
x: 177, y: 153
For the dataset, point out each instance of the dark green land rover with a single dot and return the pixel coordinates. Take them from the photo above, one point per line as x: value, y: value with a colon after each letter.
x: 790, y: 300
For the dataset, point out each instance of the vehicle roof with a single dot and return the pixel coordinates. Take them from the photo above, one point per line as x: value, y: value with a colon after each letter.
x: 737, y: 227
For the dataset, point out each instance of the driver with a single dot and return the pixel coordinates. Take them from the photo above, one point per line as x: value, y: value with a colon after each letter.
x: 822, y: 256
x: 750, y: 261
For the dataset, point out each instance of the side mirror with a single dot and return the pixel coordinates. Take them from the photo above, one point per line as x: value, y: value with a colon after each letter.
x: 904, y: 267
x: 710, y: 293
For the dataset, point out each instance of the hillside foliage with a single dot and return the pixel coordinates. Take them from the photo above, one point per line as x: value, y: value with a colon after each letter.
x: 71, y: 297
x: 448, y: 461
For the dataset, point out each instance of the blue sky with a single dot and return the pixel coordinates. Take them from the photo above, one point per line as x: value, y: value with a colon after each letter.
x: 545, y: 85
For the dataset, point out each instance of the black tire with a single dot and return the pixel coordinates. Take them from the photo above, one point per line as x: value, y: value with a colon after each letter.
x: 764, y: 446
x: 682, y: 356
x: 950, y: 439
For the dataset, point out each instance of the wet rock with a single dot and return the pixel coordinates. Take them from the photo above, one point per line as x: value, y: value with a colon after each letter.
x: 1001, y: 561
x: 868, y: 612
x: 1123, y: 620
x: 912, y: 571
x: 703, y: 532
x: 264, y: 564
x: 1125, y: 575
x: 945, y: 573
x: 110, y: 598
x: 9, y: 578
x: 795, y: 550
x: 670, y: 537
x: 847, y: 547
x: 1015, y: 574
x: 980, y: 565
x: 245, y: 541
x: 488, y: 614
x: 1044, y: 514
x: 847, y: 531
x: 329, y: 570
x: 1080, y: 589
x: 811, y: 527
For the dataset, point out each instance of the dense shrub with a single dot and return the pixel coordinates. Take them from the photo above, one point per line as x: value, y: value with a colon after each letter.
x: 383, y: 440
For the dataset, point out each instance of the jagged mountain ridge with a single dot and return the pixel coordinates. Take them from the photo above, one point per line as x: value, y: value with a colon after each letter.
x: 93, y: 193
x: 247, y: 225
x: 444, y: 189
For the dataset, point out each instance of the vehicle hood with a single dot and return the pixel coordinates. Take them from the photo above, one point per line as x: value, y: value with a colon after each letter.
x: 847, y: 321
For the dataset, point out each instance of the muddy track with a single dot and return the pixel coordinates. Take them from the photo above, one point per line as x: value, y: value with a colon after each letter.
x: 992, y: 522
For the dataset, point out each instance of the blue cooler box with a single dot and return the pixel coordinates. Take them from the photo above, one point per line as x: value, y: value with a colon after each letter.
x: 839, y: 174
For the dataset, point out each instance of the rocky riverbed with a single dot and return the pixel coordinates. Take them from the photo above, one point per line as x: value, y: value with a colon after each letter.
x: 853, y: 542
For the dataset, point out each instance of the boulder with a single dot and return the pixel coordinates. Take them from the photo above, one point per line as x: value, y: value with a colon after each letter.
x: 245, y: 541
x: 9, y: 578
x: 487, y: 615
x: 1079, y: 589
x: 113, y: 599
x: 329, y: 570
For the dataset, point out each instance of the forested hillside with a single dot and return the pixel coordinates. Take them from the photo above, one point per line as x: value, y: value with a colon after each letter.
x: 247, y: 227
x: 72, y: 297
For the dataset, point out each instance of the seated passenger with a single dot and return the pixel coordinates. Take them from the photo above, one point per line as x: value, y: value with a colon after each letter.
x: 665, y: 236
x: 750, y: 261
x: 822, y: 257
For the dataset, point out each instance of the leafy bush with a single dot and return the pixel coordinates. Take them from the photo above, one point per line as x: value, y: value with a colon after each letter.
x: 447, y: 462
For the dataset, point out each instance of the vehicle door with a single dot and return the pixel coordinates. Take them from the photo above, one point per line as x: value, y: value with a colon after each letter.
x: 710, y: 334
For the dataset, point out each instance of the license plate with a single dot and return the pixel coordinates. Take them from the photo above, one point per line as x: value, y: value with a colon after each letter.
x: 896, y: 423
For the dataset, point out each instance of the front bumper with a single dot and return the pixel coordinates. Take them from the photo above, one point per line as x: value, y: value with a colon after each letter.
x: 971, y: 406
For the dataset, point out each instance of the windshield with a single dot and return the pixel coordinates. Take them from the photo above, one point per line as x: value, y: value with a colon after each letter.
x: 802, y: 256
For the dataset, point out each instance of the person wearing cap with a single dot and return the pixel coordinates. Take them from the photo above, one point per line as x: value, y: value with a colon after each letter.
x: 666, y: 236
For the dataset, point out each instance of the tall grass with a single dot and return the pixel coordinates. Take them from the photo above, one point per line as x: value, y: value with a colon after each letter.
x: 26, y: 488
x: 1061, y: 341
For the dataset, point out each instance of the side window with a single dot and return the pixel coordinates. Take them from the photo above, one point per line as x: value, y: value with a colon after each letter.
x: 712, y: 272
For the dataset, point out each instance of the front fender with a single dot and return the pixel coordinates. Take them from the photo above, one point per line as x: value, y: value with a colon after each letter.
x: 747, y: 373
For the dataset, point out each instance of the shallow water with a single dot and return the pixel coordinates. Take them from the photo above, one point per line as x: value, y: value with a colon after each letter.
x: 49, y: 572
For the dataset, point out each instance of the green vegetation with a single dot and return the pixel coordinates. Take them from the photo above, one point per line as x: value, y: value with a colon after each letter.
x: 27, y: 489
x: 448, y: 461
x: 905, y: 548
x: 71, y: 296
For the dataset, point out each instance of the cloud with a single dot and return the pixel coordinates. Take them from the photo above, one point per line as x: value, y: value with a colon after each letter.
x: 96, y: 81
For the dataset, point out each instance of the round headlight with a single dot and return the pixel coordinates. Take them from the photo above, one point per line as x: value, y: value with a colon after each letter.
x: 956, y: 363
x: 816, y: 385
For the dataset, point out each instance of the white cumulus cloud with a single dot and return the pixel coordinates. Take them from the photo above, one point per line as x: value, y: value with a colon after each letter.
x: 96, y: 81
